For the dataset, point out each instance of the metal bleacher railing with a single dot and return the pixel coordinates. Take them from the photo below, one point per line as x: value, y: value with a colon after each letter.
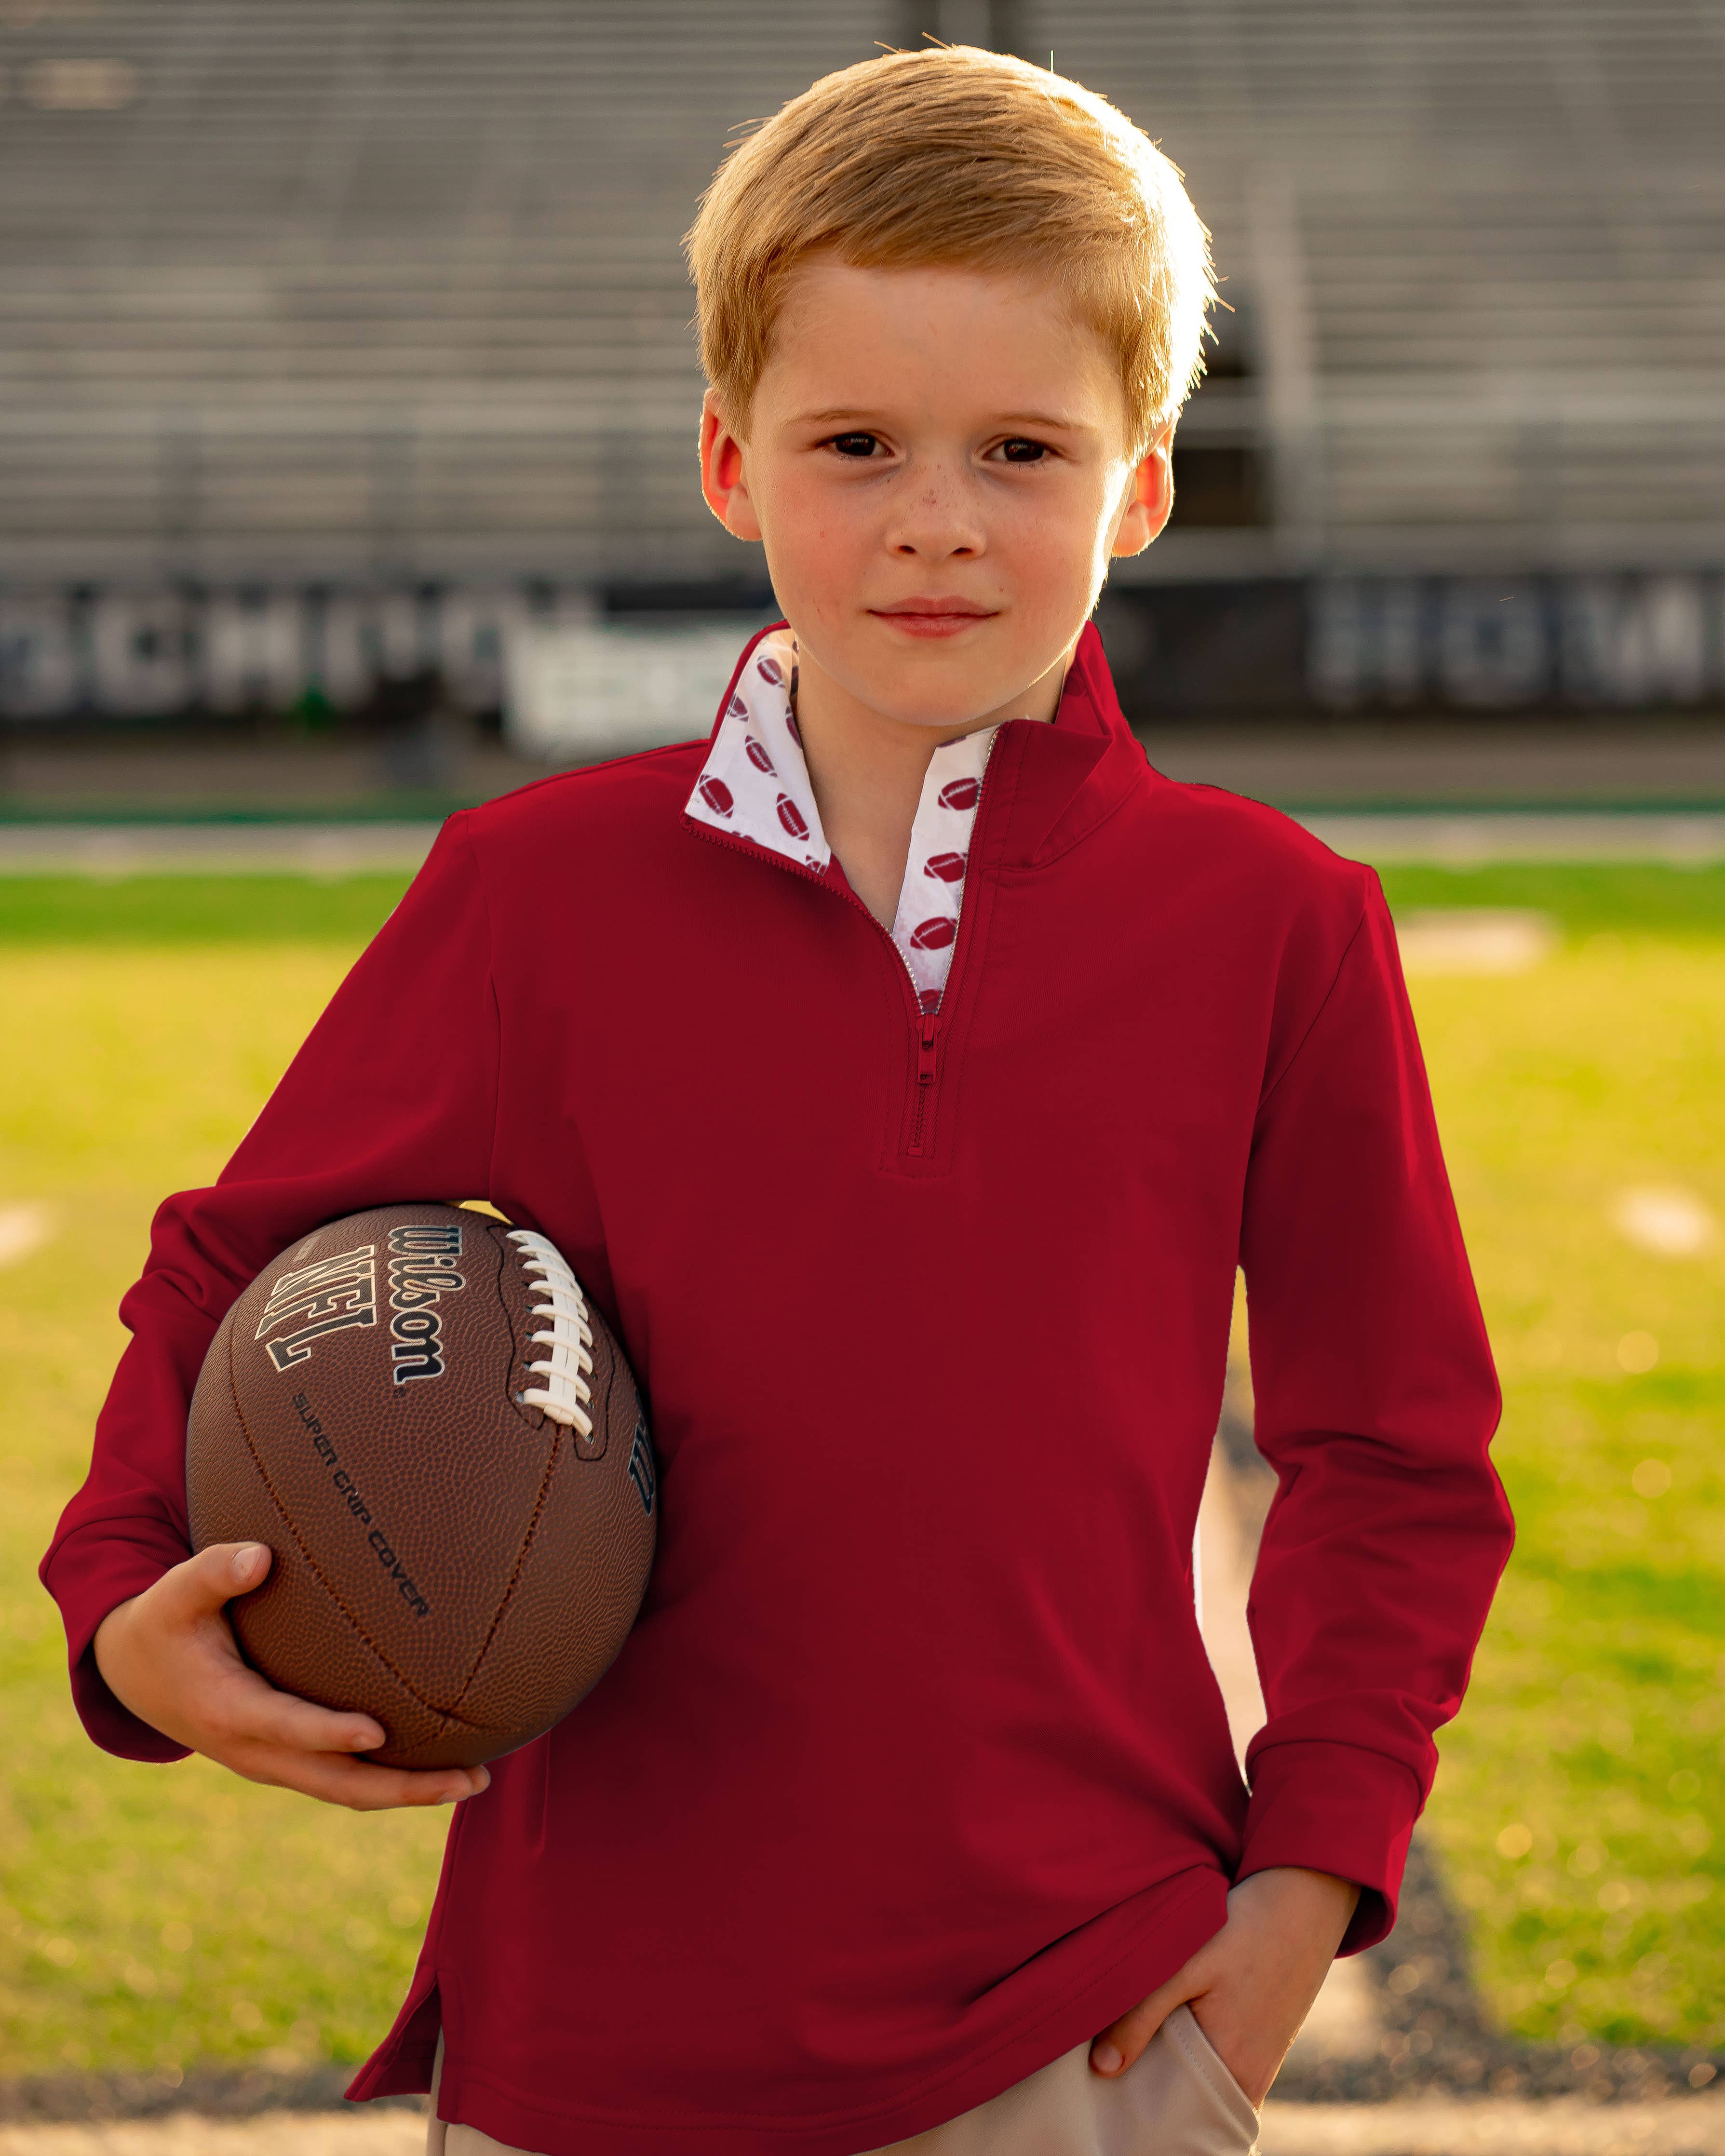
x: 321, y: 289
x: 1480, y: 241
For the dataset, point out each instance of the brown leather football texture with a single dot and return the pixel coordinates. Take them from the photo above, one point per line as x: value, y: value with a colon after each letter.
x: 437, y: 1436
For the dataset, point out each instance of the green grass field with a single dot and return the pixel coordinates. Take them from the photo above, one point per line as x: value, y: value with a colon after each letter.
x: 152, y: 1916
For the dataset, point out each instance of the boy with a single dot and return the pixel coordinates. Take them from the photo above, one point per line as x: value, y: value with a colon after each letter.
x: 906, y: 1070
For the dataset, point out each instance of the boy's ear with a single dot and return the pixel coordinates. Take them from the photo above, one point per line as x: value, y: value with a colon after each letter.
x: 1151, y: 500
x: 722, y: 479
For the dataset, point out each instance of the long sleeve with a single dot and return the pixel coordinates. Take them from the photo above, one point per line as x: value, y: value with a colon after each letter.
x: 391, y: 1099
x: 1376, y: 1403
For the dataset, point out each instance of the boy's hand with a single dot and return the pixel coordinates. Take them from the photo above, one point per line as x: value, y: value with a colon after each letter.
x: 1251, y: 1986
x: 169, y: 1654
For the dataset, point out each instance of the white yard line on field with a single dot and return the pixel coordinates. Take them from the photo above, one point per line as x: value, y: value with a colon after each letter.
x: 1497, y: 2126
x: 107, y: 852
x: 24, y: 1229
x: 1425, y: 2126
x: 1474, y: 939
x: 1466, y: 841
x: 186, y: 2134
x: 1667, y: 1220
x: 1460, y: 840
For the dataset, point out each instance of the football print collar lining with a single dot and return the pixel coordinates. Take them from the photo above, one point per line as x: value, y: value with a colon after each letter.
x: 755, y: 784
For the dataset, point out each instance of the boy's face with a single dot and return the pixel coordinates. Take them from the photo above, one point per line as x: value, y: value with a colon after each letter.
x: 936, y: 463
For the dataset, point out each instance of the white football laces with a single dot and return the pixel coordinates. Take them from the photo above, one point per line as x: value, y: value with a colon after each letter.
x: 564, y: 1394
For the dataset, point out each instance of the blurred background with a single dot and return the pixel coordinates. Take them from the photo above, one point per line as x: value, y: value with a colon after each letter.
x: 348, y: 404
x: 347, y: 382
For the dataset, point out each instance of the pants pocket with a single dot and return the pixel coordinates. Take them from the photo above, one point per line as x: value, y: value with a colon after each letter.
x: 1226, y: 2115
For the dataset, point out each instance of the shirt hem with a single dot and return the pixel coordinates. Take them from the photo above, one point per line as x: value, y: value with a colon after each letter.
x: 1189, y: 1910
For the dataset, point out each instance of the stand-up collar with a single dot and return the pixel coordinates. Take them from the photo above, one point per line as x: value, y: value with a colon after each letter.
x: 1070, y: 776
x: 755, y: 785
x: 1063, y: 778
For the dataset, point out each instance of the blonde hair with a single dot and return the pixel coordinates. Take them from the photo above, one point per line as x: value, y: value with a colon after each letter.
x: 955, y: 156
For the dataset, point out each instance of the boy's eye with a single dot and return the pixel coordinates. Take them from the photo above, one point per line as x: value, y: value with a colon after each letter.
x: 1018, y: 451
x: 854, y: 445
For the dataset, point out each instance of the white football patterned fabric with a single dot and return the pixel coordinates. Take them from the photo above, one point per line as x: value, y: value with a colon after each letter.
x: 755, y: 782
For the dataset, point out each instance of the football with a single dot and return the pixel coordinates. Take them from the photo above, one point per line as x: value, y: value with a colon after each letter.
x: 419, y: 1412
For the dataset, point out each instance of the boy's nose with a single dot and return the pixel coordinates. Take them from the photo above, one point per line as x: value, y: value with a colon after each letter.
x: 937, y: 522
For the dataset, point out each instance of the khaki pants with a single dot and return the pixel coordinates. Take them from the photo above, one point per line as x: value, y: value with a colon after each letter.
x: 1176, y: 2099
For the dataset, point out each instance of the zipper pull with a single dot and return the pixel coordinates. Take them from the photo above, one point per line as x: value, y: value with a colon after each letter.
x: 927, y: 1046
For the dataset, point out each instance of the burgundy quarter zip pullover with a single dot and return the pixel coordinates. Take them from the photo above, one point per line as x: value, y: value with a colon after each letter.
x: 913, y: 1773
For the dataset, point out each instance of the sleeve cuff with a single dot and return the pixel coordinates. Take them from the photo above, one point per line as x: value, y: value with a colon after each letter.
x: 90, y: 1573
x: 1335, y: 1807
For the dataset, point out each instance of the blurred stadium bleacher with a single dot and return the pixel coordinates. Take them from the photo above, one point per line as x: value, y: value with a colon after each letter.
x: 338, y: 338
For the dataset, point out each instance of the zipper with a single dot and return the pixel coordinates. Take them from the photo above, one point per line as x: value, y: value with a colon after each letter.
x: 927, y: 1069
x: 926, y: 1024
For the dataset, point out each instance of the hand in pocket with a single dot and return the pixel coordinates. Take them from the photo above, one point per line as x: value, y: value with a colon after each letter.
x: 1251, y: 1987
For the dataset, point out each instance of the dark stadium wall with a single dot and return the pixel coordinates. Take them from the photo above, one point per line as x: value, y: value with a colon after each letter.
x: 1344, y: 643
x: 1248, y: 650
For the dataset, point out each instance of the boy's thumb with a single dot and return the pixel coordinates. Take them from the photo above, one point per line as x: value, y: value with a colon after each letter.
x: 225, y: 1569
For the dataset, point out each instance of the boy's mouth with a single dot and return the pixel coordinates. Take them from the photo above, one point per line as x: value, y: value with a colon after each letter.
x: 933, y: 615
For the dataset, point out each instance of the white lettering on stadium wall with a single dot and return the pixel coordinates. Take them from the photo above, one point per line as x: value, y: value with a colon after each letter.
x: 1505, y: 643
x: 1644, y: 640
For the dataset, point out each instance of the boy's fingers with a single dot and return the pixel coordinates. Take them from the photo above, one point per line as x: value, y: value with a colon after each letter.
x: 360, y: 1786
x: 205, y: 1583
x: 1120, y: 2044
x: 356, y: 1785
x: 257, y: 1713
x: 244, y: 1722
